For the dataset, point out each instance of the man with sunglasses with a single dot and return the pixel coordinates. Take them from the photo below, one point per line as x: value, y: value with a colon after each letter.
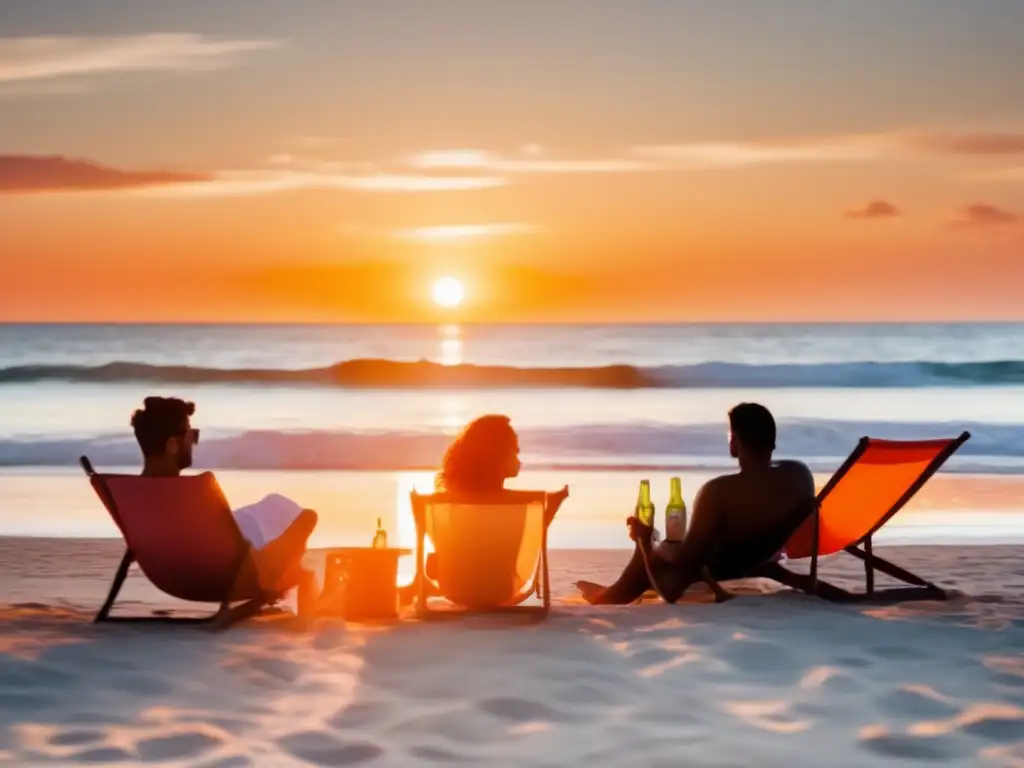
x: 277, y: 527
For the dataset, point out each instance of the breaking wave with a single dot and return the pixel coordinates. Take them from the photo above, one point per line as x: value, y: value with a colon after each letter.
x: 822, y: 443
x: 380, y: 373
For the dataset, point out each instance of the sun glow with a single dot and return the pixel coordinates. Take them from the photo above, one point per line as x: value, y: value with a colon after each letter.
x: 448, y: 292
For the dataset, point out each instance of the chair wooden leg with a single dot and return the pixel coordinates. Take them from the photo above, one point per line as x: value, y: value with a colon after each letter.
x: 807, y: 584
x: 115, y: 587
x: 227, y: 614
x: 869, y: 569
x: 893, y: 570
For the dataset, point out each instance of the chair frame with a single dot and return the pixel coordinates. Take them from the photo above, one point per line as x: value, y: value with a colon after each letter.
x: 862, y: 549
x: 541, y: 583
x: 226, y: 613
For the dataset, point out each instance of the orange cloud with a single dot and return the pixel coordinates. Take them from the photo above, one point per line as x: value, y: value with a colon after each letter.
x: 685, y: 156
x: 529, y: 160
x: 656, y: 157
x: 876, y: 209
x: 251, y: 183
x: 984, y: 215
x: 55, y: 173
x: 971, y: 143
x: 33, y: 173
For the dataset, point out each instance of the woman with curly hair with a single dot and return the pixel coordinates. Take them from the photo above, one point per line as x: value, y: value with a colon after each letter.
x: 483, y: 456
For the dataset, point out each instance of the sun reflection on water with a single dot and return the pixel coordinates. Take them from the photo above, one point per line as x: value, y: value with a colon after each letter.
x: 451, y: 345
x: 405, y: 526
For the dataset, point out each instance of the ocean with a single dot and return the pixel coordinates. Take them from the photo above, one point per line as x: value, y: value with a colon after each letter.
x: 349, y: 418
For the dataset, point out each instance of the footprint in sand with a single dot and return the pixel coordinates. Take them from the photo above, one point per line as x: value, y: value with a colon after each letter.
x: 906, y: 747
x: 358, y: 715
x: 76, y: 738
x: 898, y: 652
x: 437, y: 755
x: 522, y: 710
x: 830, y: 680
x: 37, y: 676
x: 319, y: 748
x: 177, y: 747
x: 141, y: 685
x: 229, y: 762
x: 456, y: 726
x: 853, y: 662
x: 582, y: 694
x: 1000, y: 729
x: 103, y: 756
x: 24, y: 702
x: 759, y: 660
x: 915, y: 703
x: 278, y: 670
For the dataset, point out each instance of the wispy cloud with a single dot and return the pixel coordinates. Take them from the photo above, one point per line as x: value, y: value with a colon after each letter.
x: 254, y: 183
x: 876, y: 209
x: 26, y: 174
x: 530, y: 160
x: 999, y: 144
x: 692, y: 156
x: 701, y: 155
x: 41, y: 58
x: 32, y: 173
x: 984, y: 215
x: 655, y: 157
x: 453, y: 232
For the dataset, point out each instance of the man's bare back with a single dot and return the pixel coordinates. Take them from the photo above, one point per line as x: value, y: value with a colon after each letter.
x: 737, y: 523
x: 750, y: 504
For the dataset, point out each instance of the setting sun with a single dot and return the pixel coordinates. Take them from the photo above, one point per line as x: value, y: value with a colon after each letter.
x: 448, y: 292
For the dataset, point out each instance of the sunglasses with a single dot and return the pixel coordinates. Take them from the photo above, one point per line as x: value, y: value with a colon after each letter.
x: 195, y: 436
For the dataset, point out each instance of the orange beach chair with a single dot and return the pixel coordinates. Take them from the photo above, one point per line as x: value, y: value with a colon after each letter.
x: 490, y: 550
x: 183, y: 536
x: 868, y: 489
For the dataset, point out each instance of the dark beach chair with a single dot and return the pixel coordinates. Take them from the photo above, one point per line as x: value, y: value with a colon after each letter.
x: 183, y: 536
x: 490, y: 551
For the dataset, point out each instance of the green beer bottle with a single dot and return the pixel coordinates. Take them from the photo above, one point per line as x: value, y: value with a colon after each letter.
x: 644, y: 505
x: 380, y: 538
x: 675, y: 512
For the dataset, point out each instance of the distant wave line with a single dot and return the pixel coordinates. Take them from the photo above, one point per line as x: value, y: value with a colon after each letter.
x: 396, y: 374
x: 823, y: 443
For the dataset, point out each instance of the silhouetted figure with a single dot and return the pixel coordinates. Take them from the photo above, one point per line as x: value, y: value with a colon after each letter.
x: 277, y: 527
x: 480, y: 459
x: 730, y: 515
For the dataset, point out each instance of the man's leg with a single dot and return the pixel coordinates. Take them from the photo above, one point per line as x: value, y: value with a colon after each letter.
x: 629, y: 587
x: 281, y: 554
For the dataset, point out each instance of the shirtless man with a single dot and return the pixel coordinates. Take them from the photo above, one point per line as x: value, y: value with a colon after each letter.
x: 732, y: 516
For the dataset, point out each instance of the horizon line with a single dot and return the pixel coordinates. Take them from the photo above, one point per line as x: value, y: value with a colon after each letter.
x: 490, y: 323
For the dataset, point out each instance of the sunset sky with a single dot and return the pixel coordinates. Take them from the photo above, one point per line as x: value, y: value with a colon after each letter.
x: 580, y: 160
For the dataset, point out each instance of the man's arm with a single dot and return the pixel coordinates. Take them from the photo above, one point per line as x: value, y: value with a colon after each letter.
x: 672, y: 579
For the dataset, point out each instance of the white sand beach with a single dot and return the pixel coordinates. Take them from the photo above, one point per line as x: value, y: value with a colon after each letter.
x: 769, y: 679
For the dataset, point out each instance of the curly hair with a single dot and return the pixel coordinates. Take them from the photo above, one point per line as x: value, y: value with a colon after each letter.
x: 160, y: 419
x: 477, y: 459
